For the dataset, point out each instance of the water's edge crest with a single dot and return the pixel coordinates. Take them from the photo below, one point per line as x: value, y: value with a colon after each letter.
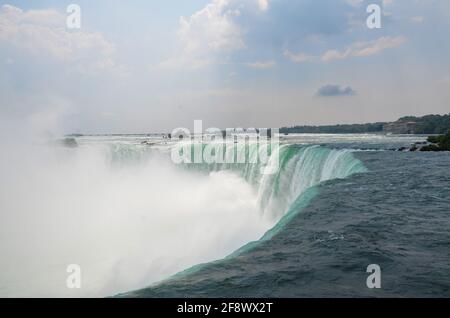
x: 302, y: 170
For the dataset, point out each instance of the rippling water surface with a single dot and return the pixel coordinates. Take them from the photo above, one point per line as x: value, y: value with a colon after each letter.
x: 141, y: 226
x: 396, y: 215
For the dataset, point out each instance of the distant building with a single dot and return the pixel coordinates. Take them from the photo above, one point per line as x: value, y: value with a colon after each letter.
x: 400, y: 127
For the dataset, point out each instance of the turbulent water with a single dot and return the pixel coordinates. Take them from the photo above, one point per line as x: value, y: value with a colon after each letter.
x: 131, y: 218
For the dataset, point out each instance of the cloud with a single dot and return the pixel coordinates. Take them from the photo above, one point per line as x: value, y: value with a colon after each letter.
x: 261, y: 65
x: 355, y: 3
x: 219, y: 26
x: 54, y: 77
x: 43, y: 33
x: 185, y: 62
x: 212, y: 29
x: 335, y: 90
x: 298, y: 57
x: 209, y: 35
x: 375, y: 47
x: 364, y: 49
x: 263, y: 5
x: 358, y: 49
x: 233, y: 30
x: 417, y: 19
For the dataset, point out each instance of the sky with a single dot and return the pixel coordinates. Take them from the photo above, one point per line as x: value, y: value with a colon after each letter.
x: 152, y: 66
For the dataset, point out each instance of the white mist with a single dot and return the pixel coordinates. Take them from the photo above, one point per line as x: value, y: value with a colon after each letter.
x: 127, y: 226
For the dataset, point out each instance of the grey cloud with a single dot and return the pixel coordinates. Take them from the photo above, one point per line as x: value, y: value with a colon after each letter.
x: 335, y: 90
